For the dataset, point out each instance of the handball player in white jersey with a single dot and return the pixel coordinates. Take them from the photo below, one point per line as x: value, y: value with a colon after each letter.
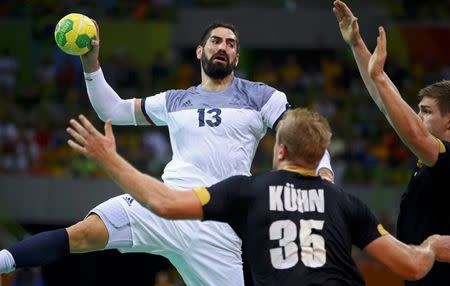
x: 214, y: 129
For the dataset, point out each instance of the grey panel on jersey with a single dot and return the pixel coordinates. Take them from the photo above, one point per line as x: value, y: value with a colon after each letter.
x: 241, y: 94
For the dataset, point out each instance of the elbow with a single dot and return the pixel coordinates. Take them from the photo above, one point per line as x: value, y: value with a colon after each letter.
x: 161, y: 209
x: 416, y: 274
x: 157, y: 208
x: 416, y: 271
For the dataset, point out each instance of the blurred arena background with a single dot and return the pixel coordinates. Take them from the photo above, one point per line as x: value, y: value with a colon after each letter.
x: 147, y: 46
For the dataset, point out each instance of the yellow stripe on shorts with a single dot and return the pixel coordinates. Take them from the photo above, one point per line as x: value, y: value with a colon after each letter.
x: 203, y: 195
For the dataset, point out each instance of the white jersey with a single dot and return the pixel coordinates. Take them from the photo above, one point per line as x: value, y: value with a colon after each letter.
x: 214, y: 135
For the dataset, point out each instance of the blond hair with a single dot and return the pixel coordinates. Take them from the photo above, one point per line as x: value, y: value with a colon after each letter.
x: 306, y: 135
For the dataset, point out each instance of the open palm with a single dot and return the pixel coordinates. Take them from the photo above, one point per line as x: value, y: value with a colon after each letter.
x: 348, y: 23
x: 87, y: 140
x: 378, y: 58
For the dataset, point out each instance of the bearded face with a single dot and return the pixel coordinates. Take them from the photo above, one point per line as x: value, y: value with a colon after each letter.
x: 218, y: 66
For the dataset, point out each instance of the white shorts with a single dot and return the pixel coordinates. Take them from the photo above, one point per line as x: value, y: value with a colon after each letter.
x: 204, y: 253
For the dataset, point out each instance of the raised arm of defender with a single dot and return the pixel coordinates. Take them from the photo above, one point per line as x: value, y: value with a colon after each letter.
x: 348, y: 25
x: 404, y: 120
x: 385, y: 94
x: 103, y: 98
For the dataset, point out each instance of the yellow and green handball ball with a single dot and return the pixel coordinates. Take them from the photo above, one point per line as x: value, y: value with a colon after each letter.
x: 73, y: 34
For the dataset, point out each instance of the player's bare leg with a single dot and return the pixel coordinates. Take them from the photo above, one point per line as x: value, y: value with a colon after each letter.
x: 88, y: 235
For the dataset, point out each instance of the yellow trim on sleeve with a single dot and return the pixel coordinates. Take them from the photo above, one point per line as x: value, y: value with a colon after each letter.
x: 441, y: 150
x: 203, y: 195
x: 441, y: 146
x: 381, y: 230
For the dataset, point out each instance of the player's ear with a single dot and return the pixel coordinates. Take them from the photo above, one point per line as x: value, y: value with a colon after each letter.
x: 448, y: 121
x: 237, y: 60
x: 199, y: 52
x: 282, y: 152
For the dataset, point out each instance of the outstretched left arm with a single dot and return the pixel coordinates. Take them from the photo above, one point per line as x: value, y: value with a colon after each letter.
x: 402, y: 117
x: 147, y: 190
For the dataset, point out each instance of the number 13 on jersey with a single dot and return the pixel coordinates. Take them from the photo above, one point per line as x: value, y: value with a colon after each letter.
x: 312, y: 246
x: 213, y: 114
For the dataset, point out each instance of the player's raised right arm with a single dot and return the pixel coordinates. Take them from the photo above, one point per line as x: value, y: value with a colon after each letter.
x: 106, y: 102
x: 348, y: 25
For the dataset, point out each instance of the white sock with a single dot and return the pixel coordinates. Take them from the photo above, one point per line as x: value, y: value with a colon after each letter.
x: 7, y: 263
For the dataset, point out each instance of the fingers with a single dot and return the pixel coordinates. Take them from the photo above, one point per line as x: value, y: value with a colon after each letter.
x: 76, y: 147
x: 337, y: 10
x: 80, y: 139
x: 380, y: 49
x: 108, y: 129
x: 96, y: 42
x: 86, y: 139
x: 96, y: 27
x: 82, y: 132
x: 355, y: 23
x: 382, y: 39
x: 341, y: 11
x: 88, y: 125
x: 79, y: 128
x: 341, y: 8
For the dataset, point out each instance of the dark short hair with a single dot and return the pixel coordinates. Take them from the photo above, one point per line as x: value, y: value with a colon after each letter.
x: 218, y: 24
x: 440, y: 91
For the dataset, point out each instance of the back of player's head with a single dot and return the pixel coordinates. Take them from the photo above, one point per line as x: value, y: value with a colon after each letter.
x: 306, y: 135
x: 440, y: 91
x: 218, y: 24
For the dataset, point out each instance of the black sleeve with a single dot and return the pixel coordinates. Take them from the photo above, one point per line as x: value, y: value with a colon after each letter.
x: 228, y: 199
x: 364, y: 226
x: 443, y: 163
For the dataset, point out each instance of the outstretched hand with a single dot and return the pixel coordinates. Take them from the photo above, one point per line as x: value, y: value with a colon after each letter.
x: 89, y: 141
x: 348, y: 23
x: 90, y: 59
x: 378, y: 58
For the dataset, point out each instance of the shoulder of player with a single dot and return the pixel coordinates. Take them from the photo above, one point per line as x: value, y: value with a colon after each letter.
x: 444, y: 146
x: 179, y: 92
x: 257, y: 94
x: 171, y: 94
x: 348, y: 201
x: 443, y: 160
x: 253, y: 180
x: 331, y: 190
x: 178, y: 98
x: 253, y: 85
x: 236, y: 179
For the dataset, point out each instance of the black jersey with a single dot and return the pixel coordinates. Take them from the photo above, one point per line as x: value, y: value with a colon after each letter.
x: 424, y: 210
x: 296, y: 229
